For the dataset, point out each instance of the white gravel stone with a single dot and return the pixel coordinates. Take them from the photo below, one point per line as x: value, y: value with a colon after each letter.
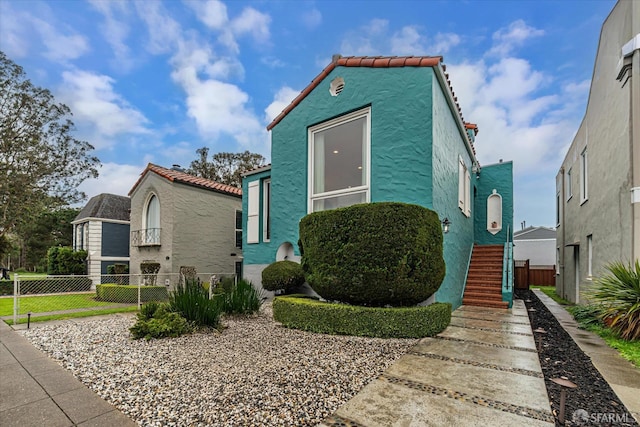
x: 253, y: 373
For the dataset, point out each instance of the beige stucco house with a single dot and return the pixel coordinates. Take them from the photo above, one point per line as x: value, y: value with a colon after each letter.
x: 598, y: 185
x: 179, y: 219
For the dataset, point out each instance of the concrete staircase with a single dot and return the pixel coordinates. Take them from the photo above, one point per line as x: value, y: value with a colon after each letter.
x: 484, y: 281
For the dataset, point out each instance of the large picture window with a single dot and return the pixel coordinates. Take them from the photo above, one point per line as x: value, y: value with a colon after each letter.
x: 339, y: 162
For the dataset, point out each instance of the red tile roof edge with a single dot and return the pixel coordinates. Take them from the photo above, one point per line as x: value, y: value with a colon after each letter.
x: 472, y: 126
x: 185, y: 178
x: 359, y: 61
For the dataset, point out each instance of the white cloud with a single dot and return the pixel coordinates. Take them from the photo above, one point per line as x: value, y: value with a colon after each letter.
x: 407, y: 41
x: 115, y: 30
x: 93, y: 100
x: 443, y: 42
x: 60, y: 47
x: 507, y: 39
x: 13, y: 38
x: 254, y: 23
x: 114, y: 178
x: 212, y: 13
x: 282, y: 98
x: 164, y: 31
x: 312, y: 18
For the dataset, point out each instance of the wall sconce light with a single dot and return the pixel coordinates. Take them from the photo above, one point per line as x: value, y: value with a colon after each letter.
x: 445, y: 225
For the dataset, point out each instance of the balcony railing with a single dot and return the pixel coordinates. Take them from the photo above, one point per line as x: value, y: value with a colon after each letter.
x: 146, y: 237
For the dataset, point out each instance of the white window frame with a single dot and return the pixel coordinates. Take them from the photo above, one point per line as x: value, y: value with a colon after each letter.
x: 366, y: 188
x: 148, y: 237
x: 266, y: 209
x: 568, y: 187
x: 464, y: 187
x: 253, y: 212
x: 235, y: 226
x: 589, y: 256
x: 558, y: 209
x: 584, y: 177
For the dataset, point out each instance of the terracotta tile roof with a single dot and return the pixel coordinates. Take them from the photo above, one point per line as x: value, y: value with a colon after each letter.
x: 371, y: 62
x: 184, y: 178
x: 472, y: 126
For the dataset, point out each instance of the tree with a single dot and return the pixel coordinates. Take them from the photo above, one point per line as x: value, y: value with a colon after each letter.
x: 226, y: 168
x: 41, y: 163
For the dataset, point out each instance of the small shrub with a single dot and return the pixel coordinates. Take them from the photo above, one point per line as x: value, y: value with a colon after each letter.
x: 193, y: 303
x: 21, y: 270
x: 373, y: 254
x: 149, y: 270
x: 158, y: 321
x: 118, y: 269
x: 617, y: 294
x: 6, y: 287
x: 282, y: 275
x: 64, y: 260
x: 330, y: 318
x: 242, y: 298
x: 586, y: 315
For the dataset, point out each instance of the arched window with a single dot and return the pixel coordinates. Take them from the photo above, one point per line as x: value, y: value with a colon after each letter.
x: 152, y: 221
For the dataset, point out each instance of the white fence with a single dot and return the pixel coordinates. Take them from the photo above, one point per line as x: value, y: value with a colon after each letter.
x: 38, y: 296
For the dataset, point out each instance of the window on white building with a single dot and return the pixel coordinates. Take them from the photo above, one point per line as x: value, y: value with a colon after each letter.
x: 584, y: 177
x: 152, y: 221
x: 339, y: 162
x: 464, y: 187
x: 238, y: 229
x: 568, y: 189
x: 589, y: 255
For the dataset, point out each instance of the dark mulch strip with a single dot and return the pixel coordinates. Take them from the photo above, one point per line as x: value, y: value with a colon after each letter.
x: 561, y: 357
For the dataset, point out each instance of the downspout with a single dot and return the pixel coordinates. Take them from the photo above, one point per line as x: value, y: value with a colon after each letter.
x: 563, y: 226
x: 634, y: 131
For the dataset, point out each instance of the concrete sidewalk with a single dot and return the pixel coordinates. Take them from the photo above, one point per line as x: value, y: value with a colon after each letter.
x: 482, y: 370
x: 36, y: 391
x: 622, y: 376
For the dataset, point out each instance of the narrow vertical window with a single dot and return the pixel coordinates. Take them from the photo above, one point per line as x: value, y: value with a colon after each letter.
x: 152, y: 221
x: 557, y: 261
x: 558, y: 209
x: 253, y: 212
x: 568, y: 189
x: 584, y: 175
x: 464, y: 187
x: 239, y: 229
x: 590, y: 255
x: 266, y: 210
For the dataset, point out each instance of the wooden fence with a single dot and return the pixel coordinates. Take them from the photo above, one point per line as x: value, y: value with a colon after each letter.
x: 526, y: 275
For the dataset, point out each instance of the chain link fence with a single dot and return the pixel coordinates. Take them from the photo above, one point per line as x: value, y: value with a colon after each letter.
x: 53, y: 296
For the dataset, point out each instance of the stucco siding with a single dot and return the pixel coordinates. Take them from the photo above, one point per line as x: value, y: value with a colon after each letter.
x: 605, y: 131
x: 497, y: 177
x: 448, y: 146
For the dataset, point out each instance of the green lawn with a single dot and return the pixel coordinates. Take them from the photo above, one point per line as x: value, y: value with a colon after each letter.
x: 75, y: 315
x: 42, y: 304
x: 630, y: 350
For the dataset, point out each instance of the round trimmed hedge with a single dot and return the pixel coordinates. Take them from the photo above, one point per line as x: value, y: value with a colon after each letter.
x: 282, y: 275
x: 306, y: 313
x: 373, y: 254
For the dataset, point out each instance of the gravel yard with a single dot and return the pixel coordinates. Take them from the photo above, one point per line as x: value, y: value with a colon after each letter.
x: 253, y: 373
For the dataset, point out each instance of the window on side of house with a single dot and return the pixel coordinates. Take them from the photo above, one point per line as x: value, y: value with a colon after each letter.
x: 589, y: 255
x: 557, y: 261
x: 253, y: 212
x: 567, y: 183
x: 238, y: 229
x: 152, y: 220
x: 266, y: 210
x: 339, y: 162
x: 584, y: 177
x: 557, y: 209
x: 464, y: 187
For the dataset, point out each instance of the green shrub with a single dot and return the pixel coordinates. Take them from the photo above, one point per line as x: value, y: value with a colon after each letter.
x: 118, y: 269
x: 6, y: 287
x: 128, y: 294
x: 309, y: 314
x: 585, y: 315
x: 242, y: 298
x: 193, y: 303
x: 373, y: 254
x: 618, y: 297
x: 282, y: 275
x: 64, y: 260
x: 158, y: 321
x: 51, y: 285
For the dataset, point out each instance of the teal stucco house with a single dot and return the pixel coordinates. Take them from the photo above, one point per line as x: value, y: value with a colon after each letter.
x: 374, y: 129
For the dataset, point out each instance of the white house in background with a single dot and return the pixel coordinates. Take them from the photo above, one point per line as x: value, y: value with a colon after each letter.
x: 537, y: 244
x: 102, y: 229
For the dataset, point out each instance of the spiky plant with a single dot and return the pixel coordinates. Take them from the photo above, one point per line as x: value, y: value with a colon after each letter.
x: 618, y: 294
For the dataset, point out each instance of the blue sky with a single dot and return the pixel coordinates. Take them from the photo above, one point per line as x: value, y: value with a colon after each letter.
x: 152, y: 81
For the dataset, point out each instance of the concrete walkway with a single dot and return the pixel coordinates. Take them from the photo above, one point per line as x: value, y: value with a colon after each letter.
x: 36, y: 391
x: 622, y: 376
x: 482, y: 370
